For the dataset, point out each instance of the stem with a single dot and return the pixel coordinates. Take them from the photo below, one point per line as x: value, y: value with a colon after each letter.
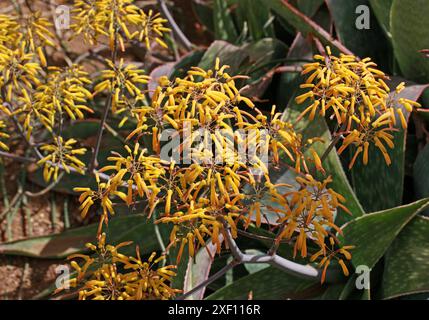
x: 107, y: 107
x: 181, y: 37
x: 276, y: 243
x: 333, y: 143
x: 94, y: 162
x: 296, y: 269
x: 209, y: 280
x: 258, y: 237
x: 16, y: 157
x: 47, y: 189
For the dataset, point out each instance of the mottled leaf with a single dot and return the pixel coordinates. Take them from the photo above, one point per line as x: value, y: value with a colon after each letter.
x: 198, y: 270
x: 58, y: 246
x: 410, y: 33
x: 363, y: 42
x: 304, y: 24
x: 373, y: 233
x: 269, y: 283
x: 407, y: 261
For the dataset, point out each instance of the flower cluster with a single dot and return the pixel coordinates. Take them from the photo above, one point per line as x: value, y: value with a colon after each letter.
x: 38, y: 97
x: 119, y: 21
x: 109, y: 275
x: 219, y: 173
x: 62, y: 155
x: 355, y: 94
x: 31, y: 30
x: 123, y: 83
x: 42, y: 101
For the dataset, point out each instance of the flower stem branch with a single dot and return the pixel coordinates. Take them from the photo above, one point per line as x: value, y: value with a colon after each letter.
x: 333, y: 143
x: 16, y: 157
x: 47, y: 189
x: 302, y: 271
x: 94, y: 162
x: 209, y: 280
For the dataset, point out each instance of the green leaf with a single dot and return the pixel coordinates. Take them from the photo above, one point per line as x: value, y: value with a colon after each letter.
x: 304, y: 24
x: 407, y: 261
x: 269, y: 283
x: 373, y: 233
x: 332, y: 164
x: 198, y: 270
x: 381, y: 10
x: 257, y: 17
x: 223, y: 22
x: 254, y: 60
x: 228, y: 53
x: 363, y: 42
x: 387, y: 182
x: 204, y: 12
x: 58, y: 246
x: 410, y: 33
x: 421, y: 174
x: 309, y: 7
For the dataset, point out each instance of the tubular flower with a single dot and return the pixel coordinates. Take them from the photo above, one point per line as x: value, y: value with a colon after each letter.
x: 100, y: 277
x: 199, y: 222
x: 311, y: 213
x: 63, y: 93
x: 124, y: 83
x: 18, y: 70
x: 355, y: 94
x: 3, y: 135
x: 97, y: 18
x: 101, y: 196
x: 61, y: 154
x: 152, y: 27
x: 32, y: 29
x: 333, y: 251
x: 36, y: 32
x: 284, y: 140
x: 219, y: 173
x: 9, y: 27
x: 32, y: 114
x: 118, y: 20
x: 137, y: 173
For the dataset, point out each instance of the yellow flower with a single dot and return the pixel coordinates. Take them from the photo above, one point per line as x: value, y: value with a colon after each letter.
x: 3, y: 135
x: 354, y: 93
x: 124, y: 83
x: 63, y: 92
x: 152, y: 27
x: 139, y: 173
x: 109, y: 275
x: 331, y: 252
x: 61, y: 154
x: 310, y: 212
x: 118, y: 20
x: 102, y: 195
x: 18, y: 69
